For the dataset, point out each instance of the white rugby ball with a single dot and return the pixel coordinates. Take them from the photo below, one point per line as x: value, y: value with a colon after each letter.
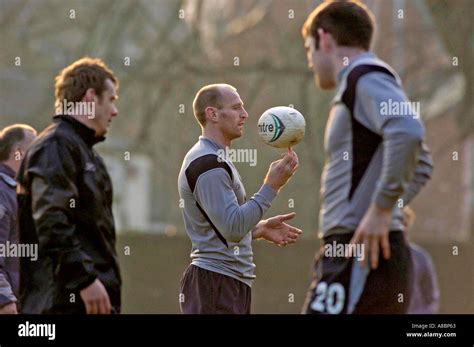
x: 281, y: 126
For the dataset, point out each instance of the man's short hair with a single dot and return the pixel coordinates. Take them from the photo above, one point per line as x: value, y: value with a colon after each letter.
x: 350, y: 23
x: 11, y: 136
x: 73, y: 81
x: 209, y: 95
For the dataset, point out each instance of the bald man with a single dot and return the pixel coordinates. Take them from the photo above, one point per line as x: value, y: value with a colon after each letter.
x: 219, y: 220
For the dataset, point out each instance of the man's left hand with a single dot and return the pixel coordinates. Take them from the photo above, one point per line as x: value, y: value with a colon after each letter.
x: 275, y: 230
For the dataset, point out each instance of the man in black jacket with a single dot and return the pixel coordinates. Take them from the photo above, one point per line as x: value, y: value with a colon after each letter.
x: 65, y: 201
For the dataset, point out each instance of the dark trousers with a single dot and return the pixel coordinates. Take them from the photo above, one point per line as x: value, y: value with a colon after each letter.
x: 208, y: 292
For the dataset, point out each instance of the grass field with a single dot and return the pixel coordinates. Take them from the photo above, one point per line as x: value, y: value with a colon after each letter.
x: 152, y: 271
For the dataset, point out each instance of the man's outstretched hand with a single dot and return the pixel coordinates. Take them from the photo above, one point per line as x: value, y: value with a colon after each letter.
x: 275, y: 230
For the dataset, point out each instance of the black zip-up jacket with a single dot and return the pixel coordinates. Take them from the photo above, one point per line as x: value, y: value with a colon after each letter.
x: 65, y: 205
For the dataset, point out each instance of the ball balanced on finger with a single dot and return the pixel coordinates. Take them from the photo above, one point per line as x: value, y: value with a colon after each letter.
x: 281, y: 127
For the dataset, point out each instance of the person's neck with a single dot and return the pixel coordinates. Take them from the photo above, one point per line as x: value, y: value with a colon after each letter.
x: 345, y: 55
x: 216, y: 136
x: 83, y: 119
x: 13, y: 164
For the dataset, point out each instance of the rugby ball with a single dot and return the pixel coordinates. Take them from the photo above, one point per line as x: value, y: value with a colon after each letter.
x: 281, y: 127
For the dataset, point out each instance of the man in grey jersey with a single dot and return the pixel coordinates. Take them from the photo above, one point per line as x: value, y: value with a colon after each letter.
x: 376, y: 163
x: 218, y: 218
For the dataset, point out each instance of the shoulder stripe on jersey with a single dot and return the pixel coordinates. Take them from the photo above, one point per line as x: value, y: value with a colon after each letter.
x: 202, y: 165
x: 364, y: 141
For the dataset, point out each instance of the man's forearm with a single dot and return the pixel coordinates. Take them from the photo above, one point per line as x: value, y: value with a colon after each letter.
x: 215, y: 194
x: 399, y: 165
x: 422, y: 174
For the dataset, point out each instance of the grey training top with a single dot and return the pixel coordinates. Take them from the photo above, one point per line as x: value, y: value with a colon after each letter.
x: 211, y: 186
x: 373, y: 145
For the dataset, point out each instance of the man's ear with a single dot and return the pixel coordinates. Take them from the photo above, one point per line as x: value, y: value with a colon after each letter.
x: 211, y: 114
x: 326, y: 42
x: 89, y: 95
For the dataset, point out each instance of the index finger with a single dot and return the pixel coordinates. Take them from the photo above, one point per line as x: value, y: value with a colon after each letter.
x: 296, y: 157
x: 287, y: 216
x: 287, y: 157
x: 356, y: 238
x: 366, y: 249
x: 374, y: 252
x: 108, y: 305
x: 93, y: 307
x: 88, y: 307
x: 295, y: 230
x: 102, y: 307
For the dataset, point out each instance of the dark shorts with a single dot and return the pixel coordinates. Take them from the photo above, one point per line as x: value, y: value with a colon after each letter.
x: 207, y: 292
x: 341, y: 286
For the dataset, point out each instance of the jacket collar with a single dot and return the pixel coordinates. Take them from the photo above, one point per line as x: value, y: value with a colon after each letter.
x: 86, y: 133
x: 7, y: 174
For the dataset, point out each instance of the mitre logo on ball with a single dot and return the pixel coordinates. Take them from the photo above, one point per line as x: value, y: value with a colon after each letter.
x: 281, y: 126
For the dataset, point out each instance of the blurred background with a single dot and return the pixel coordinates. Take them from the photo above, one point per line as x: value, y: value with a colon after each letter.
x: 163, y: 51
